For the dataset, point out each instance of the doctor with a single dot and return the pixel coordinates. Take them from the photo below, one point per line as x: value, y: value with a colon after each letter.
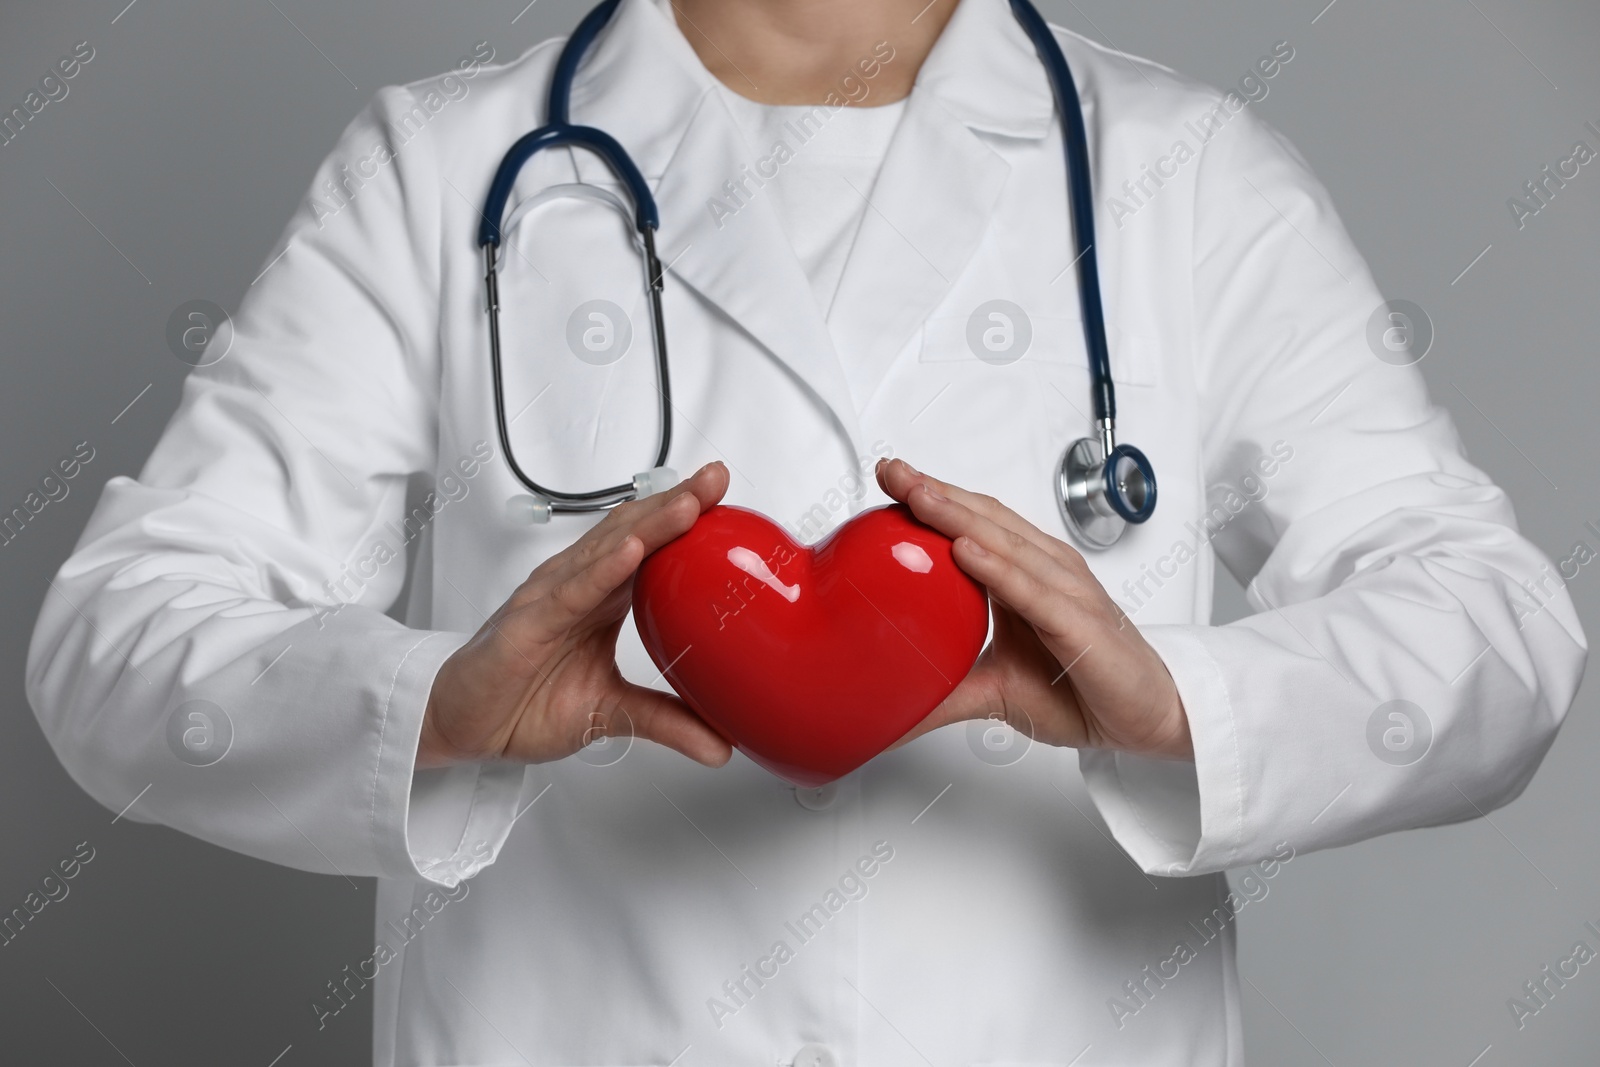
x: 558, y: 885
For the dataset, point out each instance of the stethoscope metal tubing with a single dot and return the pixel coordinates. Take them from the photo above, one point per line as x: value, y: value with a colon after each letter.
x: 562, y: 503
x: 559, y: 130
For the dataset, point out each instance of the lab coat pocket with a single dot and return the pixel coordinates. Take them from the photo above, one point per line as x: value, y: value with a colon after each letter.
x: 1001, y: 333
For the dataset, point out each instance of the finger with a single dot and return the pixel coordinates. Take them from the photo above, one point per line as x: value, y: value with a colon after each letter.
x: 655, y: 520
x: 666, y: 720
x: 659, y: 519
x: 898, y: 479
x: 955, y: 520
x: 1051, y: 607
x: 658, y: 523
x: 709, y: 484
x: 571, y: 599
x: 704, y: 488
x: 977, y: 697
x: 663, y: 522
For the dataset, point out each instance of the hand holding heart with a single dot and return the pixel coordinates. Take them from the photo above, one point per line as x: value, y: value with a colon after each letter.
x: 1065, y: 666
x: 539, y: 680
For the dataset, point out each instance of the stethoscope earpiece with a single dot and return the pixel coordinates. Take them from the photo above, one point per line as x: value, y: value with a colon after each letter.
x: 653, y: 481
x: 1100, y: 497
x: 527, y: 509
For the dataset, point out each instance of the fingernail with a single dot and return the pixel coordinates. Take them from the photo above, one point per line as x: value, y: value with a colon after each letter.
x: 973, y: 547
x: 912, y: 469
x: 931, y: 491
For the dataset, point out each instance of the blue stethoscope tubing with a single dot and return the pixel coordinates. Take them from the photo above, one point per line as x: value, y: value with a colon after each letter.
x: 559, y: 130
x: 1101, y: 486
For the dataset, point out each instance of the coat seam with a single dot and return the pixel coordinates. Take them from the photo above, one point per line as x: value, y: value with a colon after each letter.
x: 383, y: 731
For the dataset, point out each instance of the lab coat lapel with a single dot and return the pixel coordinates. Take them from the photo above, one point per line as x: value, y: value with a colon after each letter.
x: 927, y: 212
x: 743, y: 262
x: 940, y: 183
x: 925, y: 215
x: 644, y: 85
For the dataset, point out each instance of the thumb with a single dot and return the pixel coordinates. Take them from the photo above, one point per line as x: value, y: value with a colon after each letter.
x: 974, y: 698
x: 666, y: 720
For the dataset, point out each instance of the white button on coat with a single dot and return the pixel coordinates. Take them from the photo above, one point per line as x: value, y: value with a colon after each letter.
x: 815, y: 1056
x: 820, y: 798
x: 251, y: 563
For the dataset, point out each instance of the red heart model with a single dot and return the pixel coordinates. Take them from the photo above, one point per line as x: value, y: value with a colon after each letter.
x: 810, y: 660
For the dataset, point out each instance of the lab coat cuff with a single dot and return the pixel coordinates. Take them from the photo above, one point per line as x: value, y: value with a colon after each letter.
x: 439, y: 825
x: 1177, y: 818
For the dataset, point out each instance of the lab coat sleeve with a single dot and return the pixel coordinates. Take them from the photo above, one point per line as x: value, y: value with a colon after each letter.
x: 1382, y: 565
x: 215, y: 651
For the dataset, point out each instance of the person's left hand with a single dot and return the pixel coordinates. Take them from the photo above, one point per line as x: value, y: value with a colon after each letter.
x: 1066, y: 666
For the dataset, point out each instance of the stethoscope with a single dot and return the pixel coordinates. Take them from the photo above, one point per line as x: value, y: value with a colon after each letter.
x: 1100, y: 486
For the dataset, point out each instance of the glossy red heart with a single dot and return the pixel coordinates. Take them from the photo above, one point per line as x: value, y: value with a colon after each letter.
x: 810, y: 660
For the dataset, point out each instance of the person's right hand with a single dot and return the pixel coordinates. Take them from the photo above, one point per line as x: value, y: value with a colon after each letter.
x: 539, y: 680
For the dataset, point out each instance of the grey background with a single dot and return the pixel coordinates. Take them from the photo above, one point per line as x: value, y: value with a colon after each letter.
x: 188, y: 140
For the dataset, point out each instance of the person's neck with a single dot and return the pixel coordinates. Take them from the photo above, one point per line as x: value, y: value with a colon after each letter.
x: 859, y: 52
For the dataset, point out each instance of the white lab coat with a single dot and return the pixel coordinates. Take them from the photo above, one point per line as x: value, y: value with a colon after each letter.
x: 1006, y: 922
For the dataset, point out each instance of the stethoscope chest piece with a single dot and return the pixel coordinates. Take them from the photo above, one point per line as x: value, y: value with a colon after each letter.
x: 1099, y: 499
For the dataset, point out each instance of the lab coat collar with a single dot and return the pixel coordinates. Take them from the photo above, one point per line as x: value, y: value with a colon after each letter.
x: 643, y: 83
x: 924, y: 223
x: 984, y: 71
